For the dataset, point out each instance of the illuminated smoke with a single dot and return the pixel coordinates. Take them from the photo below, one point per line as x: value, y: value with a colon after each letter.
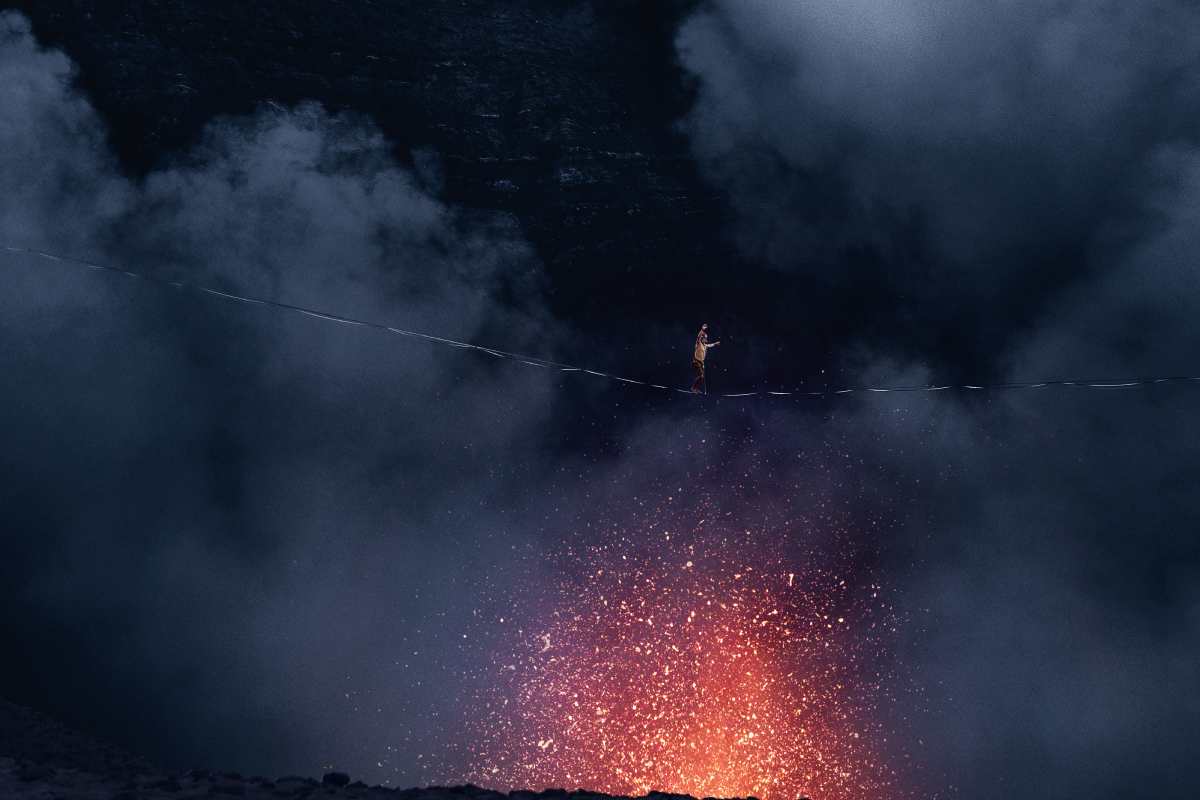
x: 688, y: 654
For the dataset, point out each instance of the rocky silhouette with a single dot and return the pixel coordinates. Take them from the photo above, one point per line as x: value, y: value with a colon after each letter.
x: 41, y: 758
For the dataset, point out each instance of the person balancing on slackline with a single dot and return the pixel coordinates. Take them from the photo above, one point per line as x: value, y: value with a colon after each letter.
x: 702, y: 345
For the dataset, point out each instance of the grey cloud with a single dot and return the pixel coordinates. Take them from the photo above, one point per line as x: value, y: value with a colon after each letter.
x: 966, y: 154
x: 1022, y: 177
x: 1053, y: 537
x: 276, y: 528
x: 244, y: 522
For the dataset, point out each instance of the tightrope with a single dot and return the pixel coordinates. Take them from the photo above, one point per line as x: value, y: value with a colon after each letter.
x: 545, y: 363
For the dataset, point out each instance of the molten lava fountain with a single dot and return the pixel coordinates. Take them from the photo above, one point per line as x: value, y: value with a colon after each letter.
x: 709, y: 660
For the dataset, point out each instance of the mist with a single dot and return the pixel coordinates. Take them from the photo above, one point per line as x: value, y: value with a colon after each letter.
x: 258, y: 529
x: 1023, y: 183
x: 255, y: 540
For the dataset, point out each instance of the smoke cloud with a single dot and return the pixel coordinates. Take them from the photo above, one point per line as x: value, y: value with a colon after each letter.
x: 269, y: 534
x: 260, y: 530
x: 978, y: 153
x: 1023, y: 178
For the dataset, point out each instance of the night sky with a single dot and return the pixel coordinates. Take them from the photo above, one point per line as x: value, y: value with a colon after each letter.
x: 241, y: 538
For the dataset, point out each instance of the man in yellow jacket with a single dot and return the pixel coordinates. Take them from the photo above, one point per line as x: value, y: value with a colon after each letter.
x: 702, y: 345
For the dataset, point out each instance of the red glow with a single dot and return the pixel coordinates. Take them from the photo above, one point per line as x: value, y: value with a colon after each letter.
x: 699, y: 661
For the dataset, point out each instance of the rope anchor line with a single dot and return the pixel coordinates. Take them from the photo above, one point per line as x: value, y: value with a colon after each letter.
x: 535, y: 361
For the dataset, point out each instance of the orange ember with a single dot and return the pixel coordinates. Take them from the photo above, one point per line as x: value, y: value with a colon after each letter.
x: 701, y: 663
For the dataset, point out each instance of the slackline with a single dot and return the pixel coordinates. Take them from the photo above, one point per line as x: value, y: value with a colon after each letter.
x: 544, y: 363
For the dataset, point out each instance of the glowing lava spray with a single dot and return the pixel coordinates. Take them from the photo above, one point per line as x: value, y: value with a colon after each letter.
x: 704, y: 659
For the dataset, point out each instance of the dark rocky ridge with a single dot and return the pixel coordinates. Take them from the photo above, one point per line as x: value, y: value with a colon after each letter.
x: 40, y: 758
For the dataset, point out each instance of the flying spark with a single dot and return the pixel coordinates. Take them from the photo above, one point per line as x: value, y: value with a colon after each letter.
x: 706, y: 660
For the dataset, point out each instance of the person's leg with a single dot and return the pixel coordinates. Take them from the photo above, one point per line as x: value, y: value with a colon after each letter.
x: 699, y: 367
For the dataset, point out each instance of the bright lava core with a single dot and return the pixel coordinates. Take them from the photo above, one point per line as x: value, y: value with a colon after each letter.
x: 711, y: 661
